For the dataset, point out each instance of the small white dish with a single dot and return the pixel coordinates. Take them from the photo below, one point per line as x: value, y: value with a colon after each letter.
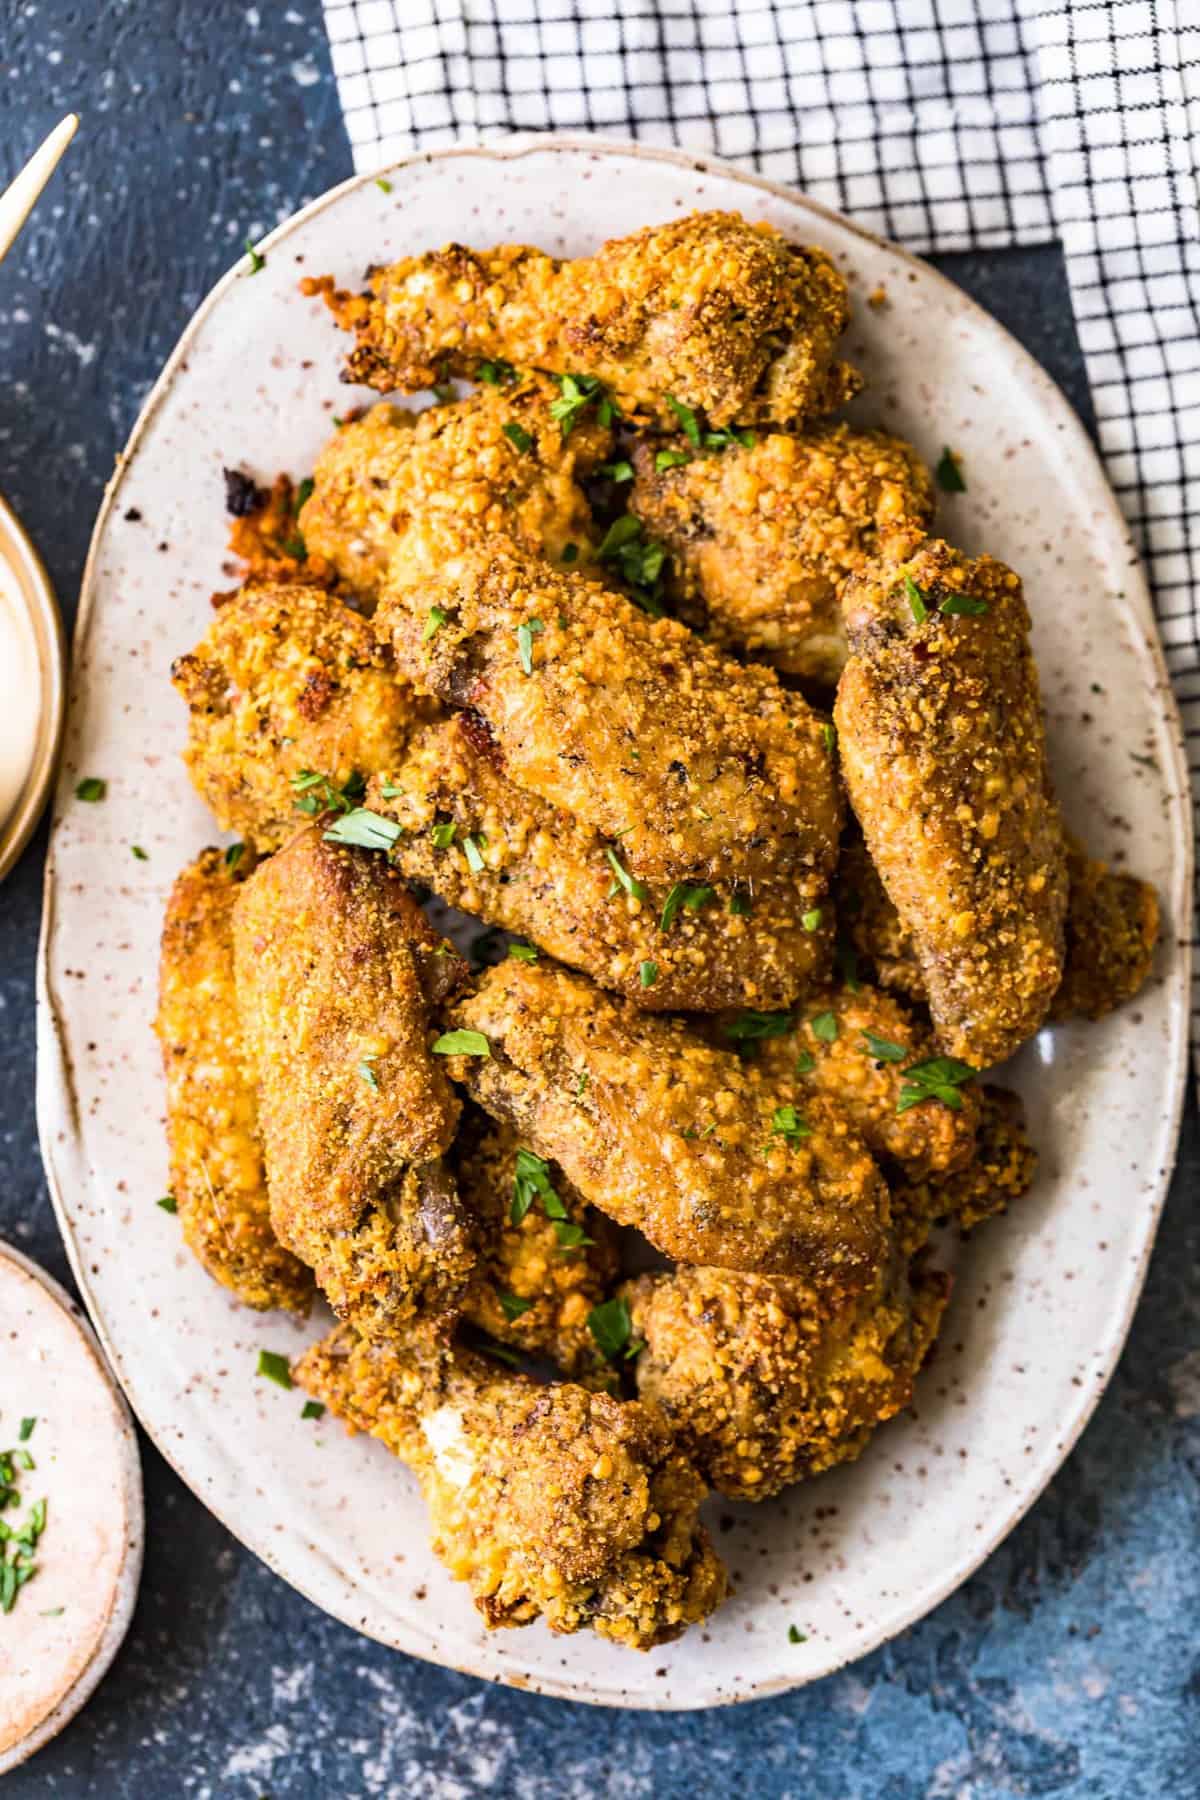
x: 32, y: 687
x: 1043, y: 1299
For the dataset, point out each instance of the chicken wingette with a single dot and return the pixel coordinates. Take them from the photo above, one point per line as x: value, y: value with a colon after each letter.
x: 695, y: 768
x: 1001, y: 1170
x: 661, y: 1131
x: 708, y: 312
x: 943, y: 750
x: 337, y: 970
x: 217, y: 1175
x: 550, y: 1502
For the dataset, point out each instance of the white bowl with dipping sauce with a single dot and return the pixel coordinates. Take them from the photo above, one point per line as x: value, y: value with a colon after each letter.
x: 32, y: 660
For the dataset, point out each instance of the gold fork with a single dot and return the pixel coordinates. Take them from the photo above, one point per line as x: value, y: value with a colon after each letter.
x: 20, y: 197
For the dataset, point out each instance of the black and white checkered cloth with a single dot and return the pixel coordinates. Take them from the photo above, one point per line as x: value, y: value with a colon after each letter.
x: 943, y: 124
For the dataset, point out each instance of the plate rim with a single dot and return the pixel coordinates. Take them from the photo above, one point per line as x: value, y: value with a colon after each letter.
x: 1139, y: 608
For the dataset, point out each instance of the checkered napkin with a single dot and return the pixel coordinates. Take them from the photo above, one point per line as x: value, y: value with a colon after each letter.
x: 943, y: 124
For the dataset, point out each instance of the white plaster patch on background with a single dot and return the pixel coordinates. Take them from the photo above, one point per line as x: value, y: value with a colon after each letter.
x: 260, y: 1758
x: 71, y: 341
x: 290, y: 1685
x: 305, y: 72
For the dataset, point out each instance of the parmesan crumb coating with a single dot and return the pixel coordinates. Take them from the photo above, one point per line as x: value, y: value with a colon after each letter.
x: 285, y: 681
x: 266, y: 536
x: 722, y: 315
x: 872, y: 924
x: 696, y: 768
x: 763, y: 536
x: 217, y: 1174
x: 493, y: 462
x: 829, y: 1053
x: 515, y: 861
x: 550, y: 1502
x: 1112, y: 930
x: 336, y: 971
x: 535, y: 1286
x: 1001, y: 1170
x: 764, y: 1384
x: 661, y: 1131
x: 943, y: 751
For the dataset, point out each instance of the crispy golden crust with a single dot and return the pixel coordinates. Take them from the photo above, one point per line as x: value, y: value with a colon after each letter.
x: 700, y: 769
x: 267, y: 538
x: 828, y: 1053
x: 1112, y: 929
x: 764, y: 1385
x: 520, y: 863
x: 723, y: 315
x: 660, y: 1131
x: 944, y: 756
x: 549, y: 1502
x: 286, y: 679
x: 532, y: 1264
x: 217, y: 1174
x: 762, y: 537
x: 872, y: 924
x: 456, y: 471
x: 336, y: 970
x: 1001, y: 1170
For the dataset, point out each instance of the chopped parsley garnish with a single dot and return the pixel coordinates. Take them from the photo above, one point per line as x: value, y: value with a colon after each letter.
x: 638, y: 560
x: 787, y: 1123
x: 618, y: 471
x: 473, y: 855
x: 949, y: 473
x: 168, y: 1203
x: 648, y: 974
x: 91, y: 788
x: 443, y: 835
x: 462, y: 1043
x: 525, y: 635
x: 17, y: 1542
x: 531, y: 1182
x: 26, y: 1430
x: 683, y: 895
x: 512, y: 1305
x: 527, y: 953
x: 612, y: 1328
x: 497, y: 372
x: 916, y: 600
x: 138, y: 853
x: 368, y: 1074
x: 739, y: 904
x: 829, y: 737
x: 234, y: 855
x: 751, y: 1026
x: 795, y: 1636
x: 257, y: 261
x: 824, y: 1027
x: 581, y: 1087
x: 882, y: 1049
x: 303, y: 494
x: 571, y: 1236
x: 570, y: 553
x: 671, y: 459
x: 811, y: 920
x: 727, y: 435
x: 965, y: 606
x: 577, y: 393
x: 275, y: 1367
x: 846, y: 959
x: 312, y: 1409
x: 939, y: 1078
x: 518, y: 437
x: 435, y: 619
x: 366, y: 829
x: 806, y: 1062
x: 689, y: 423
x: 385, y: 186
x: 317, y: 793
x: 637, y: 890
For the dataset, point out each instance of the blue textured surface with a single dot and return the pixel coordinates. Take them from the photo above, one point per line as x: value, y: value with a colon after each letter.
x: 1069, y: 1666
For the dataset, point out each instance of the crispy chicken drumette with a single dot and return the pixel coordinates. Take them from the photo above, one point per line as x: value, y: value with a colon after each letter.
x: 494, y: 462
x: 549, y: 1502
x: 287, y: 683
x: 1112, y: 930
x: 709, y: 310
x: 699, y: 769
x: 546, y: 1257
x: 661, y: 1131
x: 1000, y: 1171
x: 497, y: 851
x: 217, y: 1173
x: 944, y: 755
x: 763, y: 1382
x: 336, y: 972
x: 763, y: 535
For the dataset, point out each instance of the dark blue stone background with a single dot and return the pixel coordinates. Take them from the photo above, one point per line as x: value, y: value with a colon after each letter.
x: 1070, y: 1665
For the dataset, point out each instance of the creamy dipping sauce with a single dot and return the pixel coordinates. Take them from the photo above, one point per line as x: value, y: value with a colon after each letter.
x: 20, y: 691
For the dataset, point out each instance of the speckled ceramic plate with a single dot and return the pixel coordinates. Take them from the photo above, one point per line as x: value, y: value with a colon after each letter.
x: 1043, y: 1299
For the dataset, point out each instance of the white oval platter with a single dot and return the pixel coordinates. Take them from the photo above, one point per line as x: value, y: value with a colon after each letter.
x: 1043, y: 1299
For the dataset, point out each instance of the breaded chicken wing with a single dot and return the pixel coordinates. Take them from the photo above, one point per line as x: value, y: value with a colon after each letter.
x: 336, y: 972
x: 1112, y: 930
x: 1001, y: 1170
x: 943, y: 752
x: 494, y: 462
x: 546, y: 1257
x: 854, y: 1045
x: 872, y: 924
x: 702, y: 770
x: 497, y: 851
x: 217, y: 1174
x: 549, y: 1502
x: 709, y: 310
x: 661, y: 1131
x: 287, y: 683
x: 763, y: 535
x: 763, y: 1383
